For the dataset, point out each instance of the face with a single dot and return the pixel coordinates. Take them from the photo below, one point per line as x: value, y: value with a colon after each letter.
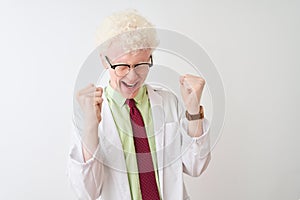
x: 129, y: 84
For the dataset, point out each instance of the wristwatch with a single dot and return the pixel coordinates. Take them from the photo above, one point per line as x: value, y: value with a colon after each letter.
x: 200, y: 115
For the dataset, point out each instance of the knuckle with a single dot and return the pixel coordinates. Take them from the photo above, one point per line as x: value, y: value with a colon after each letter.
x: 202, y: 80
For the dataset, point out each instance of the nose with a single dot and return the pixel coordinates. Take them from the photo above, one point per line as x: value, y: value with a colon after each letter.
x: 132, y: 75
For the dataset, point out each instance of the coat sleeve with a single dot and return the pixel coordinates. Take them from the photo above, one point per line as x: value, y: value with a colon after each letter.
x: 86, y: 178
x: 196, y: 150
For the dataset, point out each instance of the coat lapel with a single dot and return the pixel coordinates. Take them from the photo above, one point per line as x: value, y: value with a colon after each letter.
x: 158, y: 122
x: 111, y: 149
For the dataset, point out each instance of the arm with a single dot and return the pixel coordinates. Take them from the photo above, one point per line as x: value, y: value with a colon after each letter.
x: 196, y: 150
x: 90, y: 140
x: 195, y: 128
x: 195, y: 143
x: 191, y: 91
x: 85, y: 172
x: 85, y: 175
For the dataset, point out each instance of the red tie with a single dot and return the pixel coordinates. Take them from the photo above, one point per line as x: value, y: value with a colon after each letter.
x: 148, y: 184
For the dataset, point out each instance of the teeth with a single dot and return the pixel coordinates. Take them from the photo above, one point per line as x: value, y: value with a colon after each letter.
x: 129, y: 85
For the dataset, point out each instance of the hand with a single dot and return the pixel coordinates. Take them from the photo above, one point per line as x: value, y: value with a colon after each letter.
x: 90, y: 101
x: 191, y: 91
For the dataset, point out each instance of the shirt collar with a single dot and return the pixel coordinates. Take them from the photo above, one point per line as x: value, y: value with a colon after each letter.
x: 116, y: 97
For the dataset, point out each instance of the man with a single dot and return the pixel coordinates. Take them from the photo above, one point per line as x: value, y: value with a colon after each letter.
x: 136, y: 140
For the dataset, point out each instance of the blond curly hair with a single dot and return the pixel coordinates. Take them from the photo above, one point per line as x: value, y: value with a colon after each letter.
x: 129, y: 30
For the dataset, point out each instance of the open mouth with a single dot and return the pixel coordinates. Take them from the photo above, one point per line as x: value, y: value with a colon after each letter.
x: 129, y: 85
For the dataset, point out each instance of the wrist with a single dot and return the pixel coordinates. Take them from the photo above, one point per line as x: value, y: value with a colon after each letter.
x: 195, y: 116
x: 91, y: 124
x: 193, y: 110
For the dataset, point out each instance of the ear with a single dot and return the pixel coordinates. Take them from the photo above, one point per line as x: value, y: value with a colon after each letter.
x: 104, y: 62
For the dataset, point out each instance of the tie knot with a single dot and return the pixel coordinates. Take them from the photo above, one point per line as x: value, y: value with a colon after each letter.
x: 130, y: 103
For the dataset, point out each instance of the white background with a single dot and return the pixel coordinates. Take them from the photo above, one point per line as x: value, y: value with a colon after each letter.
x: 254, y: 44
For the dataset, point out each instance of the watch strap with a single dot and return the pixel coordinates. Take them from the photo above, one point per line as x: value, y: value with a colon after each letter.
x: 200, y: 115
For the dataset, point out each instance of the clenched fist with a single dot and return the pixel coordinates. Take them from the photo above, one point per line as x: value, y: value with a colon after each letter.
x: 191, y: 90
x: 90, y: 101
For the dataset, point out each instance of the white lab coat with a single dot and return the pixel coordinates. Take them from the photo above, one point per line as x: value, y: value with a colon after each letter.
x: 105, y: 175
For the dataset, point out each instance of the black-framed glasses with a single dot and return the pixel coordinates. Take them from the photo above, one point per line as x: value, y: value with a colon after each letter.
x: 123, y: 69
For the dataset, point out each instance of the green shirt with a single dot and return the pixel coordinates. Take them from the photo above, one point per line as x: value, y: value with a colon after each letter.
x: 120, y: 112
